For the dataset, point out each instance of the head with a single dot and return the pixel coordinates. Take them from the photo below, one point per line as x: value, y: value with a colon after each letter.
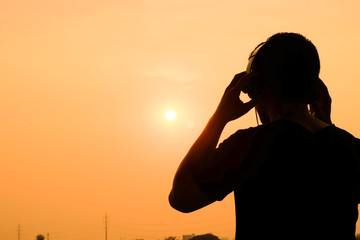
x: 288, y: 65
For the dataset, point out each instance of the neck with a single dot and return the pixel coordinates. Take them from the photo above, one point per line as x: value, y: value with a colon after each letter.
x: 299, y: 114
x: 271, y: 108
x: 289, y: 111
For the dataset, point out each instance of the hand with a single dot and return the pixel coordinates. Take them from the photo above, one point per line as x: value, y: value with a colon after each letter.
x: 230, y: 106
x: 321, y: 108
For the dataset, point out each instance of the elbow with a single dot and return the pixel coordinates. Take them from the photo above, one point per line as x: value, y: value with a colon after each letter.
x: 178, y: 205
x: 186, y: 197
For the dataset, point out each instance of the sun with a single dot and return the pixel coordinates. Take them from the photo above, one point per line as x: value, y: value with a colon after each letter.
x: 170, y: 115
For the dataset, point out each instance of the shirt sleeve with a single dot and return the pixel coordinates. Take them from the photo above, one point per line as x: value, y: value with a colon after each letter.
x: 228, y: 165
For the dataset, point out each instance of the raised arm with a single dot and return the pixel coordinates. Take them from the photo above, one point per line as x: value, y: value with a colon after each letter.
x: 185, y: 196
x: 321, y: 108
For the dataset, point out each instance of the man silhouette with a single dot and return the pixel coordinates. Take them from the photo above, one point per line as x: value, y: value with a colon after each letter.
x: 296, y: 176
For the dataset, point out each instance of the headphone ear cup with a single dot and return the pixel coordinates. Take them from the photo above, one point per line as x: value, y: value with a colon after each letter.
x: 253, y: 87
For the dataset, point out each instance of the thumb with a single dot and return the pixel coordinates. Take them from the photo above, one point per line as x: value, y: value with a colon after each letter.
x: 250, y: 104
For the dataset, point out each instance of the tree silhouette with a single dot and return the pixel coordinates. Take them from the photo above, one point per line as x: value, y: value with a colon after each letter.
x: 40, y: 237
x: 207, y: 236
x: 170, y: 238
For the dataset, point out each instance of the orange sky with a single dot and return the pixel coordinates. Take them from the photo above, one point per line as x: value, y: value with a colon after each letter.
x: 85, y: 86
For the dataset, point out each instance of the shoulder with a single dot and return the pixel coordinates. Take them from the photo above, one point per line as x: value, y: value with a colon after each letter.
x: 344, y: 136
x: 250, y: 133
x: 242, y: 137
x: 343, y: 132
x: 248, y: 141
x: 269, y: 129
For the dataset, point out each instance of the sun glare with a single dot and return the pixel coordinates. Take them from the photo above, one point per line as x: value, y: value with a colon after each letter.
x: 170, y: 115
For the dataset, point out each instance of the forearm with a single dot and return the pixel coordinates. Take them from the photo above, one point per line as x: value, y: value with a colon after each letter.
x: 202, y: 148
x: 229, y: 108
x: 185, y: 195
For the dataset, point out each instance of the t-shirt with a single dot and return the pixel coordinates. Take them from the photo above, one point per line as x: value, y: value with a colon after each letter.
x: 288, y: 182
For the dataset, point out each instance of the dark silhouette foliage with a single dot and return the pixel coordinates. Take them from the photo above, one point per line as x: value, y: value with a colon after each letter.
x: 207, y: 236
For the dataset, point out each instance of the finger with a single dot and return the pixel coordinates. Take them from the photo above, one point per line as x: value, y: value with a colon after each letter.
x: 242, y: 82
x: 250, y: 104
x: 236, y: 79
x: 324, y: 92
x: 314, y: 107
x: 311, y: 108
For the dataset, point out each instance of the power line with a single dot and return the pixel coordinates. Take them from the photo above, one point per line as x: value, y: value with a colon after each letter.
x: 105, y: 226
x: 19, y: 232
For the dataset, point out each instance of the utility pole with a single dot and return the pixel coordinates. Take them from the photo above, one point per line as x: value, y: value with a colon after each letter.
x: 105, y: 226
x: 19, y: 232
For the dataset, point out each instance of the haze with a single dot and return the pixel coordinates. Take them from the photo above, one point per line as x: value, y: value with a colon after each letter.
x: 85, y: 86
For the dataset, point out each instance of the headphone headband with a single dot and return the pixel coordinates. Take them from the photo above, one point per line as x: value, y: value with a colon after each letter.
x: 252, y: 57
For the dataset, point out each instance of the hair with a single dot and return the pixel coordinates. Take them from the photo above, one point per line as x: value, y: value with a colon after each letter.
x: 289, y: 65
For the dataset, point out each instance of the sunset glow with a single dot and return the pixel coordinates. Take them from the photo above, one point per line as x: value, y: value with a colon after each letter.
x: 170, y: 115
x: 90, y: 91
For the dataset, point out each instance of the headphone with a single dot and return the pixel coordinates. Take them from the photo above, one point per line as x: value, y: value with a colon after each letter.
x: 255, y: 85
x: 252, y: 57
